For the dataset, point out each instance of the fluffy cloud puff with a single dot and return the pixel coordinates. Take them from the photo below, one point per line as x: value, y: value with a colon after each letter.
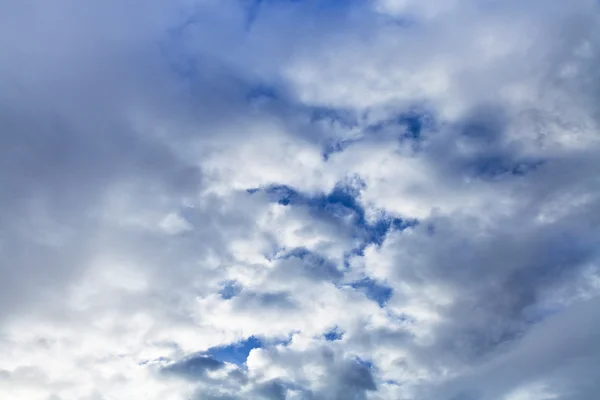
x: 391, y: 199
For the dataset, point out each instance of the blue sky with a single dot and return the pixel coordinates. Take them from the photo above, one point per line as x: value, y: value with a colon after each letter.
x: 299, y: 200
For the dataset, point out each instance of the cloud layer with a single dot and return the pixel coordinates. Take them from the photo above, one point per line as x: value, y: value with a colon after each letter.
x: 261, y: 199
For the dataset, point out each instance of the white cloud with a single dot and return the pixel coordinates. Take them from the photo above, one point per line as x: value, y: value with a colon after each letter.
x: 140, y: 228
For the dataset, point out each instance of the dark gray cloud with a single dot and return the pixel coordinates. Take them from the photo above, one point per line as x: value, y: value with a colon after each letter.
x: 193, y: 367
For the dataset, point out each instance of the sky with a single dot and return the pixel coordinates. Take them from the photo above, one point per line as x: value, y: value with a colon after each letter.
x: 299, y: 199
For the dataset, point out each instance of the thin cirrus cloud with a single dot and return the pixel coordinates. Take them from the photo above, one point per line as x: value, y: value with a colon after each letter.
x: 391, y: 199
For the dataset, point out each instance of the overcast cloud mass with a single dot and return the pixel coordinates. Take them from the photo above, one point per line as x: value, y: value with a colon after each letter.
x: 299, y: 199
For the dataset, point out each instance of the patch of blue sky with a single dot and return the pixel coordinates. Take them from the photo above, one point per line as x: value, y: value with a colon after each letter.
x: 375, y: 234
x: 336, y: 146
x: 229, y: 290
x: 340, y: 206
x: 410, y: 125
x: 283, y: 194
x: 333, y: 335
x: 400, y: 318
x: 235, y: 353
x: 340, y: 203
x: 379, y: 230
x: 263, y: 90
x: 374, y: 291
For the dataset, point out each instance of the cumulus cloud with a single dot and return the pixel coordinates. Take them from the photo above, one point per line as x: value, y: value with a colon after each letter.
x: 391, y: 199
